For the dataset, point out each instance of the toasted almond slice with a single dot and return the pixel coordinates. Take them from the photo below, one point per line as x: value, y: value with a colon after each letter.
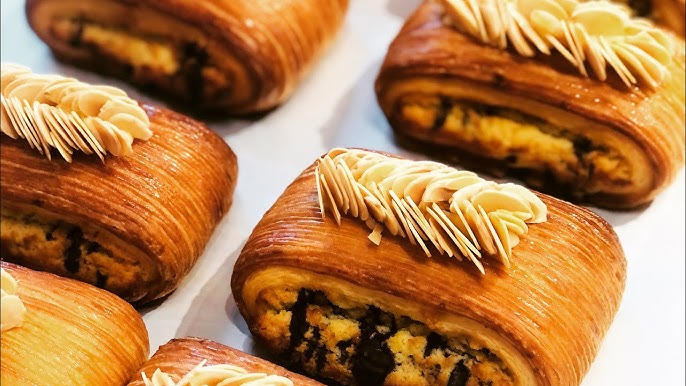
x: 496, y: 239
x: 333, y: 206
x: 329, y: 170
x: 357, y: 193
x: 503, y: 233
x: 320, y: 199
x: 15, y: 114
x: 43, y: 136
x: 481, y: 230
x: 437, y: 232
x: 375, y: 236
x: 6, y: 126
x: 350, y: 202
x: 399, y: 214
x: 391, y: 222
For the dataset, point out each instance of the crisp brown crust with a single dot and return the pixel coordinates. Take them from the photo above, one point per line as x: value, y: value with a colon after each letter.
x: 647, y: 127
x: 72, y: 334
x: 154, y: 209
x: 236, y: 56
x: 671, y: 14
x: 179, y: 356
x: 545, y: 316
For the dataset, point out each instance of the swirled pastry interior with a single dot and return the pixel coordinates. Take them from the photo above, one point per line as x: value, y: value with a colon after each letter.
x: 227, y: 56
x: 72, y: 334
x: 338, y: 306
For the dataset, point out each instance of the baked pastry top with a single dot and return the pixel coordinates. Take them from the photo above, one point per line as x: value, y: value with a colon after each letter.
x: 558, y: 115
x: 334, y: 303
x: 133, y: 224
x: 228, y: 56
x: 71, y: 333
x: 202, y: 360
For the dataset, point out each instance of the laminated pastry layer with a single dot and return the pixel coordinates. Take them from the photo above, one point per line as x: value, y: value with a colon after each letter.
x: 72, y: 334
x: 338, y: 306
x: 585, y: 139
x: 133, y: 225
x: 179, y: 356
x: 228, y: 56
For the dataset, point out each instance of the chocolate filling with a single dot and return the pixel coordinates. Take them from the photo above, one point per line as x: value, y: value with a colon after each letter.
x: 446, y: 123
x: 72, y: 255
x: 369, y: 356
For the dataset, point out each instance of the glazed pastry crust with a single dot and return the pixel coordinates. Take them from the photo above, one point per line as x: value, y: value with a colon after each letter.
x: 546, y: 315
x: 154, y: 210
x: 72, y: 334
x: 179, y: 356
x: 252, y: 54
x: 428, y: 57
x: 671, y: 14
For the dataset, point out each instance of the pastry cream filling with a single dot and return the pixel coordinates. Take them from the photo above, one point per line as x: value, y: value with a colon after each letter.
x: 13, y: 310
x: 521, y: 141
x: 217, y: 375
x: 599, y: 34
x: 366, y: 345
x: 455, y: 211
x: 51, y: 111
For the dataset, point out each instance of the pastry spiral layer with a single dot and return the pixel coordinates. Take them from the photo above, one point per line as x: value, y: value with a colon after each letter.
x: 133, y: 225
x: 73, y: 334
x: 231, y: 57
x: 335, y: 304
x: 178, y: 357
x: 538, y: 118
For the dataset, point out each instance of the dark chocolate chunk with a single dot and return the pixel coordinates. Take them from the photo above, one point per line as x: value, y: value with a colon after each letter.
x: 460, y: 375
x: 49, y: 234
x: 299, y: 325
x: 100, y: 279
x: 433, y: 342
x: 344, y: 345
x: 194, y: 60
x: 312, y: 344
x: 72, y: 254
x: 92, y: 247
x: 582, y: 146
x: 445, y: 107
x: 510, y: 159
x: 373, y: 360
x: 75, y: 40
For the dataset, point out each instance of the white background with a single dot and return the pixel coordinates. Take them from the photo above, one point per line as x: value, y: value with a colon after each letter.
x: 335, y: 106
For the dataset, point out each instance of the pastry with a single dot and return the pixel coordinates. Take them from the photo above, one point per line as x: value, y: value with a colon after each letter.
x: 595, y: 118
x: 228, y: 56
x: 361, y: 308
x: 205, y: 362
x: 120, y: 195
x: 668, y: 13
x: 69, y: 332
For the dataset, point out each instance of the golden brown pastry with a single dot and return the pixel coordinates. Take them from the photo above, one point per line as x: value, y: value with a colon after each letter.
x: 180, y: 357
x: 133, y: 224
x: 335, y: 303
x: 668, y: 13
x: 232, y: 57
x: 598, y: 120
x: 70, y: 334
